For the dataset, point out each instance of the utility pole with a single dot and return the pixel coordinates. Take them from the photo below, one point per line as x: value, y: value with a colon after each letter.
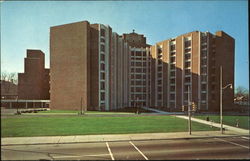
x: 189, y: 112
x: 221, y: 121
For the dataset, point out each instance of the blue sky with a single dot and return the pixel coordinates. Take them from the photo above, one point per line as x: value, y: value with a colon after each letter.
x: 25, y: 25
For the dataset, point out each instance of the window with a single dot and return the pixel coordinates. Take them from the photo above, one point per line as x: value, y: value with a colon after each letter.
x: 172, y: 66
x: 172, y: 47
x: 203, y: 53
x: 187, y: 64
x: 204, y: 39
x: 103, y: 76
x: 172, y: 81
x: 132, y: 70
x: 185, y: 96
x: 186, y: 88
x: 187, y: 43
x: 203, y: 62
x: 203, y: 87
x: 159, y: 68
x: 187, y: 71
x: 172, y: 53
x: 138, y: 83
x: 132, y: 63
x: 204, y: 70
x: 187, y: 50
x: 102, y: 57
x: 172, y: 96
x: 138, y: 63
x: 213, y: 87
x: 102, y: 66
x: 187, y: 56
x: 102, y: 96
x: 159, y: 61
x: 203, y: 96
x: 159, y: 50
x: 172, y: 74
x: 138, y: 53
x: 159, y: 96
x: 102, y: 85
x: 132, y: 76
x: 159, y: 89
x: 159, y: 81
x: 138, y: 76
x: 138, y: 70
x: 103, y: 32
x: 103, y: 40
x: 159, y: 75
x: 203, y: 78
x: 172, y: 88
x: 187, y: 79
x: 102, y: 48
x: 172, y: 59
x: 132, y: 53
x: 144, y: 53
x: 138, y: 89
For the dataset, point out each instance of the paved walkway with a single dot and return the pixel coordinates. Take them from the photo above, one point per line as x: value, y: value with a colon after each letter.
x: 114, y: 137
x: 227, y: 127
x: 162, y: 112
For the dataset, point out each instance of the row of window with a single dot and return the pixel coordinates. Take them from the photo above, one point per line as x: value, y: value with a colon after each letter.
x: 139, y: 63
x: 139, y: 82
x: 138, y: 89
x: 138, y: 70
x: 138, y: 53
x: 138, y: 76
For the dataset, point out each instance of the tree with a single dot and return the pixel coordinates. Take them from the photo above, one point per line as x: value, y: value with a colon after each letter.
x: 9, y: 76
x: 241, y: 93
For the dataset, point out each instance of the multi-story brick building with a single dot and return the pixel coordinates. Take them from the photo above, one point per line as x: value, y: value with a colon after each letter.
x: 33, y: 84
x: 192, y: 61
x: 95, y: 68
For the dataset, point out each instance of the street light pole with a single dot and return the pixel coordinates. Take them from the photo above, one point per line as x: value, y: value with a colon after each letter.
x: 189, y: 112
x: 221, y: 121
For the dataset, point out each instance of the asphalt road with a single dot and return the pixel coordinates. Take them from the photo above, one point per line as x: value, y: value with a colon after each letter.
x: 182, y: 149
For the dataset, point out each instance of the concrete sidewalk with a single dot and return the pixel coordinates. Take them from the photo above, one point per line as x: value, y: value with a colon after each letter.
x: 227, y: 127
x: 113, y: 137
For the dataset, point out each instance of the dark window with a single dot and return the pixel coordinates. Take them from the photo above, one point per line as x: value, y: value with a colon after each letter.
x: 172, y: 59
x: 203, y: 78
x: 159, y: 81
x: 203, y: 87
x: 172, y: 47
x: 132, y: 63
x: 213, y: 87
x: 203, y: 53
x: 138, y: 83
x: 103, y: 32
x: 102, y: 66
x: 172, y: 88
x: 103, y: 48
x: 204, y: 70
x: 187, y: 56
x: 187, y: 64
x: 102, y: 96
x: 172, y: 66
x: 103, y: 76
x: 187, y: 43
x: 187, y: 79
x: 203, y: 96
x: 138, y: 53
x: 172, y: 53
x: 159, y: 68
x: 132, y: 70
x: 138, y: 63
x: 159, y: 96
x: 102, y: 40
x: 138, y: 76
x: 185, y: 96
x: 132, y: 53
x: 203, y: 62
x: 187, y: 71
x: 138, y: 70
x: 186, y: 88
x: 172, y: 73
x: 172, y: 96
x: 159, y: 89
x: 159, y: 75
x: 187, y: 50
x: 159, y: 50
x: 103, y: 85
x: 102, y: 57
x: 172, y: 80
x: 204, y: 39
x: 144, y: 53
x: 159, y: 61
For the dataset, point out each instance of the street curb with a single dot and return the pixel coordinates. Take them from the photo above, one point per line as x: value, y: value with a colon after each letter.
x: 122, y: 140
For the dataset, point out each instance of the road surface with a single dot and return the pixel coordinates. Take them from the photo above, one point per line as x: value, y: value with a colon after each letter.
x: 182, y: 149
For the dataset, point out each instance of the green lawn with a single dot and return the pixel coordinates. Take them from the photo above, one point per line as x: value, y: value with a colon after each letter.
x: 229, y: 120
x: 80, y: 125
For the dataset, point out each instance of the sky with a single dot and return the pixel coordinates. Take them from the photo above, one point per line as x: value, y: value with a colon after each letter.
x: 26, y: 25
